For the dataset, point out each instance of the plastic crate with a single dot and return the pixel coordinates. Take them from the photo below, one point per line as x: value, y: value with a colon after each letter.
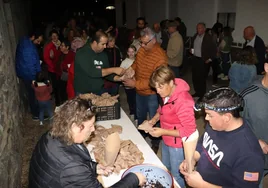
x: 108, y: 112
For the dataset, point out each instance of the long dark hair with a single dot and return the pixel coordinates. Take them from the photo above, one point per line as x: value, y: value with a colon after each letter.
x: 41, y: 77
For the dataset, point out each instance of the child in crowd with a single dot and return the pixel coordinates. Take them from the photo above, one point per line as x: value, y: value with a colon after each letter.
x: 130, y: 92
x: 43, y: 89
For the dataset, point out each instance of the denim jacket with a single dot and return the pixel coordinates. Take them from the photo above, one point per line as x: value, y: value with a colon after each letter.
x: 241, y: 76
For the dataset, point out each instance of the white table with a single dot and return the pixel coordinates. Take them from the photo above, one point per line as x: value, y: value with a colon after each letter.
x: 130, y: 132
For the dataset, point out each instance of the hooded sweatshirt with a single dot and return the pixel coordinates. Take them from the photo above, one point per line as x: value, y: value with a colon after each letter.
x: 255, y: 111
x: 178, y: 113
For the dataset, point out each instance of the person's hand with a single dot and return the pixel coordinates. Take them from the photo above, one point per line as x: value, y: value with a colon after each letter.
x: 104, y: 170
x: 264, y: 146
x: 184, y: 166
x: 141, y: 177
x: 119, y: 71
x: 109, y: 29
x: 129, y: 83
x: 207, y: 61
x: 156, y: 132
x: 152, y: 122
x: 193, y: 179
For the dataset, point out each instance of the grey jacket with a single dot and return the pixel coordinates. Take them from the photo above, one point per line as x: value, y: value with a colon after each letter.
x: 256, y: 111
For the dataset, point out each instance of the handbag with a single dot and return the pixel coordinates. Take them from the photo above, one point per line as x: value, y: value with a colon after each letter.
x: 64, y: 76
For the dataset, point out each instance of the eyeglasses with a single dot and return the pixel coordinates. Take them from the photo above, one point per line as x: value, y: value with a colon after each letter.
x: 145, y: 43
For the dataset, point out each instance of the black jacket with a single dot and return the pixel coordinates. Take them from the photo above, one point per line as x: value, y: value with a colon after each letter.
x: 260, y: 50
x: 56, y: 165
x: 208, y: 48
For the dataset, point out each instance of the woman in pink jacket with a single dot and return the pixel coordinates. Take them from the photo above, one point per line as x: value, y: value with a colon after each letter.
x: 176, y: 116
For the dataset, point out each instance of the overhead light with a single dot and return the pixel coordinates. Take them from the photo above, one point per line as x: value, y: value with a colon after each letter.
x: 110, y: 8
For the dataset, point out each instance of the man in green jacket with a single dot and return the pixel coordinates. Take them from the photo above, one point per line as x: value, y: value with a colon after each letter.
x: 91, y: 66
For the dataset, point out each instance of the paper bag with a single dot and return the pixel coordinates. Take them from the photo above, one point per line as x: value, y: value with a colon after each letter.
x: 129, y: 74
x: 145, y: 126
x: 112, y: 147
x: 189, y: 147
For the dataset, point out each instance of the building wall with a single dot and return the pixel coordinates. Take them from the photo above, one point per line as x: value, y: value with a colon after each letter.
x: 173, y: 9
x: 254, y: 14
x: 12, y: 108
x: 158, y: 9
x: 132, y: 12
x: 192, y: 11
x: 225, y: 6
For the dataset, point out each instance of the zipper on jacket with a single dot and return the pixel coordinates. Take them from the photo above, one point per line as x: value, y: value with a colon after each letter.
x: 175, y: 139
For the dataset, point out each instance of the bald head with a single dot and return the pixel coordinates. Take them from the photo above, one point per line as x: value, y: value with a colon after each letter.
x: 249, y: 33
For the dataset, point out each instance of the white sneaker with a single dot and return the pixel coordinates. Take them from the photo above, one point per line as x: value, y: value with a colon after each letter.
x: 41, y: 123
x: 221, y: 75
x: 225, y: 78
x: 132, y: 117
x: 57, y: 109
x: 136, y: 123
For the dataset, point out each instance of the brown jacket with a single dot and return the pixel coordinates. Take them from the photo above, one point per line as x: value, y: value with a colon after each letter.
x: 175, y: 50
x: 144, y: 65
x: 208, y: 48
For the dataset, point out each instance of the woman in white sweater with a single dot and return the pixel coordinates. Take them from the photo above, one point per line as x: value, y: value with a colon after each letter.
x: 130, y: 92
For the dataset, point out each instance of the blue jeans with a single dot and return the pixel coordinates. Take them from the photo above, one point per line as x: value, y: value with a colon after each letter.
x: 45, y: 106
x: 226, y: 64
x: 264, y: 174
x: 146, y: 104
x: 172, y: 158
x: 176, y: 71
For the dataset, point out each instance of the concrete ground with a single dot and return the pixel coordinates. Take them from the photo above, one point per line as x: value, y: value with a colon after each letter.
x: 200, y: 121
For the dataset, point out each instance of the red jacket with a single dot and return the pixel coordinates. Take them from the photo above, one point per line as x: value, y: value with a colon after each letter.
x: 67, y: 60
x: 70, y: 83
x: 42, y: 91
x: 51, y: 56
x: 178, y: 113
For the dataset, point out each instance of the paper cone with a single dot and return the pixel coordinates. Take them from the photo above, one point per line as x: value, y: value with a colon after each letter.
x: 189, y: 147
x: 112, y: 147
x: 100, y: 180
x: 129, y: 73
x: 145, y: 126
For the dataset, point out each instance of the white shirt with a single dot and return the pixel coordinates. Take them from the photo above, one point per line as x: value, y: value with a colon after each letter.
x: 158, y: 37
x: 166, y: 100
x: 252, y: 42
x: 198, y: 45
x: 127, y: 63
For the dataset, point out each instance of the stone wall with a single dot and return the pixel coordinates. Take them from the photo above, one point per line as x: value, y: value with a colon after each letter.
x: 11, y: 106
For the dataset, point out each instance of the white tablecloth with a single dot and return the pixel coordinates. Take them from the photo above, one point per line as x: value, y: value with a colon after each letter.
x: 130, y: 132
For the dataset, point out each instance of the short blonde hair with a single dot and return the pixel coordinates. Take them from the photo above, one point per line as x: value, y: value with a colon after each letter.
x: 73, y: 111
x: 162, y: 75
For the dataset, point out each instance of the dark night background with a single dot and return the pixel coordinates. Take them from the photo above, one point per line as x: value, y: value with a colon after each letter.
x: 60, y: 10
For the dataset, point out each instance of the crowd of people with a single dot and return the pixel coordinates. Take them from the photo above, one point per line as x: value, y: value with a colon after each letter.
x: 148, y: 64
